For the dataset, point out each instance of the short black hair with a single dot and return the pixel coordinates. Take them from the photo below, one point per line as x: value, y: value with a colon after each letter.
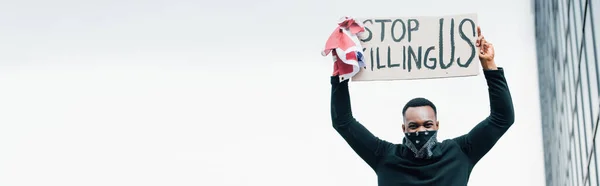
x: 417, y: 102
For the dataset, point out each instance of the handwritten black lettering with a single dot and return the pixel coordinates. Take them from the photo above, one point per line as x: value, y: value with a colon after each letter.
x: 382, y: 21
x: 412, y: 28
x: 404, y: 57
x: 465, y: 38
x: 378, y: 61
x: 432, y: 67
x: 416, y: 57
x: 441, y: 45
x: 372, y: 65
x: 389, y: 58
x: 368, y: 31
x: 403, y: 30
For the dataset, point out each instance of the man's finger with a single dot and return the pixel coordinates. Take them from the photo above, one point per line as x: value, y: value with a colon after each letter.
x: 484, y: 47
x: 478, y: 31
x: 482, y: 41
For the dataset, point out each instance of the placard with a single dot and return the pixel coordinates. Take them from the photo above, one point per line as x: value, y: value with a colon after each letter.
x: 400, y: 48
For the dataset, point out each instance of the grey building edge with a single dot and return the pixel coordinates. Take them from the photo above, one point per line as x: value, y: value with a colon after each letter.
x: 568, y: 66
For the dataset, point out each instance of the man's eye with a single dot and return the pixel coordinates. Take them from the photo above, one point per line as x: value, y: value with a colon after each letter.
x: 429, y: 125
x: 412, y: 126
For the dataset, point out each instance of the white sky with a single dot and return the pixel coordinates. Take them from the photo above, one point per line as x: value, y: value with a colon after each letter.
x: 227, y: 93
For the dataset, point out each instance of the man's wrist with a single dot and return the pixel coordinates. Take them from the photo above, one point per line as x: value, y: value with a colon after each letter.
x: 489, y: 65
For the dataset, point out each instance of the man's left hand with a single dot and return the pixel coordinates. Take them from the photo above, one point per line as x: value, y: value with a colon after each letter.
x: 486, y: 52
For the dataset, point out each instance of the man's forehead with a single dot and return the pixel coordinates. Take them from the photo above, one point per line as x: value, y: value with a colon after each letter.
x: 419, y: 114
x: 420, y: 109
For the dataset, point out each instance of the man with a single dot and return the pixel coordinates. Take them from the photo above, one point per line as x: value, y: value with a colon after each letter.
x: 421, y: 159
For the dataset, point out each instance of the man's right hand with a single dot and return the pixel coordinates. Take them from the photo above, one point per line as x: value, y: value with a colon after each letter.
x: 486, y: 52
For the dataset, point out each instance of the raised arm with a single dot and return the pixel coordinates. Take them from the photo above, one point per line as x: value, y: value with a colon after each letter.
x: 364, y: 143
x: 484, y: 135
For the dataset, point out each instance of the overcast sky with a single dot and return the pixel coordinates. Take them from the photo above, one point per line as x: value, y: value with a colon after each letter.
x: 228, y: 93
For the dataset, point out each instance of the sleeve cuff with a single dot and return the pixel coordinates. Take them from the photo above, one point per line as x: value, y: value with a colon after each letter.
x: 494, y: 74
x: 336, y: 80
x: 500, y: 70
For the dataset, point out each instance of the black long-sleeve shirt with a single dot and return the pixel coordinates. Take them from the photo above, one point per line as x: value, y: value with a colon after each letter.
x: 452, y: 160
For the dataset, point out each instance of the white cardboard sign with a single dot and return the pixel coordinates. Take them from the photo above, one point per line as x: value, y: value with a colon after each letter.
x: 399, y: 48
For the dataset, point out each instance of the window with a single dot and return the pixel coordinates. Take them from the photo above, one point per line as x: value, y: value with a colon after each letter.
x: 569, y: 88
x: 595, y: 165
x: 594, y: 12
x: 573, y: 174
x: 576, y: 20
x: 561, y: 29
x: 582, y: 133
x: 584, y: 94
x: 570, y: 84
x: 592, y: 172
x: 574, y: 169
x: 591, y: 57
x: 573, y: 36
x: 563, y: 10
x: 578, y: 147
x: 580, y: 150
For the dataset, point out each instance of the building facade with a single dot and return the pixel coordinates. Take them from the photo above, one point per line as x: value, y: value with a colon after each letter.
x: 568, y: 49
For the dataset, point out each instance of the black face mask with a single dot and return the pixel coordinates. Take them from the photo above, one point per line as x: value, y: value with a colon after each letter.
x: 421, y: 143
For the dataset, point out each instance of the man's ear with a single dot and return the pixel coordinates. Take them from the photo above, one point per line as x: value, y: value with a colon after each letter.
x: 404, y: 128
x: 437, y: 124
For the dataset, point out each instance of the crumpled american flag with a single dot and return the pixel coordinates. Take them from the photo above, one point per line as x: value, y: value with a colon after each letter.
x: 346, y: 49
